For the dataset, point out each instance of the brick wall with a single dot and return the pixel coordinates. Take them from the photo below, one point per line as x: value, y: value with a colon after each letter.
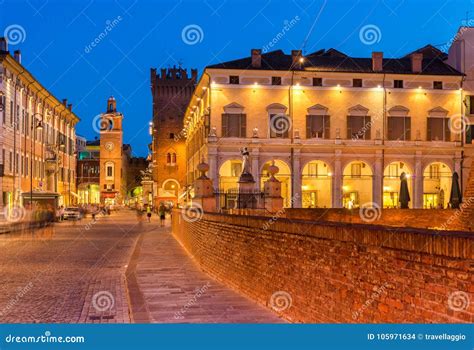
x: 331, y: 272
x: 418, y: 218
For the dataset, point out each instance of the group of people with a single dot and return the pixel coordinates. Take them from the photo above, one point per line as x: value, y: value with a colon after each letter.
x: 149, y: 210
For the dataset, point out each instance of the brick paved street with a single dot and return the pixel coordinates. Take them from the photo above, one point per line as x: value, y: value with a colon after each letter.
x: 174, y: 290
x: 80, y: 273
x: 69, y: 272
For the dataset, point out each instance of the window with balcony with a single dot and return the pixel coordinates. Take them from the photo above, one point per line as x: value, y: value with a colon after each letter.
x: 358, y: 127
x: 438, y: 129
x: 399, y: 128
x: 317, y: 126
x: 234, y: 125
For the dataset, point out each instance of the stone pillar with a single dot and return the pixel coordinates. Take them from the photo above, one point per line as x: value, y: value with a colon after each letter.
x: 204, y: 190
x: 377, y: 188
x: 213, y: 167
x: 256, y: 166
x: 418, y: 182
x: 272, y: 191
x: 147, y: 190
x: 337, y: 182
x: 296, y: 200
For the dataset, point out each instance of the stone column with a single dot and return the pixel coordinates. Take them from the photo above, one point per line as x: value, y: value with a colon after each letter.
x: 377, y: 188
x: 337, y: 181
x: 213, y: 167
x: 256, y: 166
x: 204, y: 190
x: 296, y: 183
x: 50, y: 169
x: 418, y: 182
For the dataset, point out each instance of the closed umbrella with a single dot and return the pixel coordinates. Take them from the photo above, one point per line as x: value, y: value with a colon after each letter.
x: 455, y: 198
x: 404, y: 196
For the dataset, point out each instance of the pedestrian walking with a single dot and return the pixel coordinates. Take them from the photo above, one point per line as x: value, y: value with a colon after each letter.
x: 162, y: 213
x: 148, y: 212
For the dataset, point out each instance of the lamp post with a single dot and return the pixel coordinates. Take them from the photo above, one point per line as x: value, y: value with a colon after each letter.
x: 35, y: 125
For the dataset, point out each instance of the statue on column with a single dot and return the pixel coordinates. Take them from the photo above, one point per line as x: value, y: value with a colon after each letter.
x: 246, y: 175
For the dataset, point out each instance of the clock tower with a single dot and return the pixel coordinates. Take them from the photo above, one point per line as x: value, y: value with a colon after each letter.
x: 112, y: 183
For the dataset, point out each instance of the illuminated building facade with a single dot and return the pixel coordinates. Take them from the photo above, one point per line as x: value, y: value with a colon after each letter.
x: 342, y: 130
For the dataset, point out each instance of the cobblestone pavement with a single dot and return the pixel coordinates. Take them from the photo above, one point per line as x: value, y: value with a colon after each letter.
x: 172, y: 288
x: 70, y: 272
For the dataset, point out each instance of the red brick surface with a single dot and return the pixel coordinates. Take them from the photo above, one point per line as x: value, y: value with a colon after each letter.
x: 335, y: 272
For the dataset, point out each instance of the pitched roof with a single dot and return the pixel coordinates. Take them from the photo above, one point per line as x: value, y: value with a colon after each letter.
x: 429, y: 51
x: 336, y: 61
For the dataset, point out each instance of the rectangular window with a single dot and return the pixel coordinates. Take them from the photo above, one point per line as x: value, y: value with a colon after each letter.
x: 171, y: 135
x: 358, y: 127
x: 10, y: 165
x: 276, y: 80
x: 234, y: 79
x: 398, y: 84
x: 357, y: 83
x: 356, y: 170
x: 279, y: 126
x: 434, y: 171
x: 438, y: 85
x: 317, y: 126
x: 399, y: 128
x: 11, y: 112
x: 469, y: 134
x: 234, y: 125
x: 470, y: 104
x: 4, y: 106
x: 109, y: 171
x: 317, y: 81
x: 438, y: 129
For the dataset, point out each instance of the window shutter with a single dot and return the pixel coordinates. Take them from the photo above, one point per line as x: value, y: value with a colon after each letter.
x: 349, y: 129
x: 225, y: 127
x: 390, y: 121
x: 447, y: 132
x: 243, y: 125
x: 367, y: 128
x: 428, y: 130
x: 327, y: 127
x: 407, y: 128
x: 469, y: 105
x: 308, y: 127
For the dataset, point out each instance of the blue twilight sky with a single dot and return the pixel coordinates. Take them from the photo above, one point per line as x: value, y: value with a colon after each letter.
x: 54, y: 37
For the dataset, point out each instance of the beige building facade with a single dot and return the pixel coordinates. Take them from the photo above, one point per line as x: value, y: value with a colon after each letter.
x: 342, y: 130
x: 37, y: 137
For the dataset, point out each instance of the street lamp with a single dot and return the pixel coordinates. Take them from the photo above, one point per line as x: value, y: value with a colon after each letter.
x: 35, y: 125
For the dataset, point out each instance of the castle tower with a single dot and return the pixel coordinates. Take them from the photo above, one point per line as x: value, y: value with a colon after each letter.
x: 171, y: 89
x: 111, y: 155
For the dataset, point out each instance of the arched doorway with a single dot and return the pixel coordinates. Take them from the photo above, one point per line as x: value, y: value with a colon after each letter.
x: 229, y: 174
x: 316, y: 185
x: 284, y: 176
x: 391, y: 184
x: 357, y: 185
x: 437, y: 180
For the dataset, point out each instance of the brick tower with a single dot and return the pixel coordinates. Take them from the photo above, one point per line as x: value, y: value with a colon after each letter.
x: 171, y: 90
x: 111, y: 155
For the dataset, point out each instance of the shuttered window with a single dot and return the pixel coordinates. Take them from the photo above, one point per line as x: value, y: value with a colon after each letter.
x: 358, y: 127
x: 317, y: 126
x: 438, y: 129
x: 234, y: 125
x: 399, y: 128
x: 470, y: 104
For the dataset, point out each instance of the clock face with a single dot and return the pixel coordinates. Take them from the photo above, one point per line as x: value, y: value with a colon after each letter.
x: 109, y: 146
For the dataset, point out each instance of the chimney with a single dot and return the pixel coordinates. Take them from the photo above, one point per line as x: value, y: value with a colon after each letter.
x: 296, y: 55
x: 417, y: 62
x: 69, y: 106
x: 3, y: 44
x: 256, y: 58
x: 377, y: 61
x: 64, y: 102
x: 17, y: 56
